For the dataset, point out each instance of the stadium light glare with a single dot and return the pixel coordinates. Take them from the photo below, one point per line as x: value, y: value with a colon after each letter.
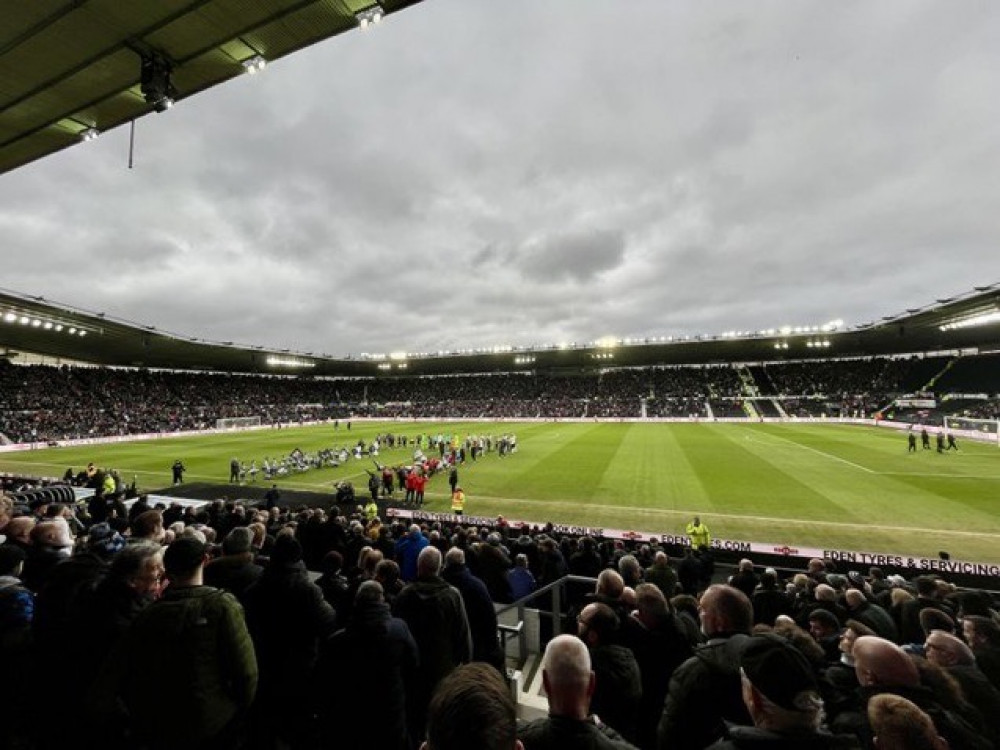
x: 89, y: 134
x: 976, y: 320
x: 10, y: 317
x: 82, y: 333
x: 36, y: 323
x: 253, y: 65
x: 25, y: 320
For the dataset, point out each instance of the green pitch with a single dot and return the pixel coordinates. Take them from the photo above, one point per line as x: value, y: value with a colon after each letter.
x: 826, y: 486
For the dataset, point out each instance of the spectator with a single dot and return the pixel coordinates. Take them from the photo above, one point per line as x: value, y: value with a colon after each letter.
x: 288, y: 618
x: 235, y: 570
x: 194, y: 688
x: 899, y: 724
x: 662, y: 574
x: 705, y: 690
x: 617, y: 680
x: 520, y: 578
x: 782, y: 696
x: 363, y: 677
x: 472, y: 708
x: 479, y: 609
x: 569, y: 685
x: 434, y: 611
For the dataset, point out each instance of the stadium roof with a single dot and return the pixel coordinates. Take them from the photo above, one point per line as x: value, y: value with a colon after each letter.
x: 33, y: 325
x: 70, y: 68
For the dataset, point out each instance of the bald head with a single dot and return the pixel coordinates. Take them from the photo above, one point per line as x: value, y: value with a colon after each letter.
x: 946, y: 650
x: 881, y: 662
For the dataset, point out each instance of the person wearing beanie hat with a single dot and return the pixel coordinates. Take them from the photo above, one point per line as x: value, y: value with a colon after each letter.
x: 104, y: 541
x: 781, y: 693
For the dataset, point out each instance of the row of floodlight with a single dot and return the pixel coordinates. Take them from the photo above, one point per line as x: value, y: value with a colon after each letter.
x: 811, y: 343
x: 158, y: 90
x: 47, y: 325
x: 976, y: 320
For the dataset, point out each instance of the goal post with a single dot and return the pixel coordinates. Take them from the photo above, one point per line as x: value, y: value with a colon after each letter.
x: 985, y: 430
x: 236, y: 423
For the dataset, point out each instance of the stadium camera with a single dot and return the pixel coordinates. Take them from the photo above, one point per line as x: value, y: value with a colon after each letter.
x: 155, y: 83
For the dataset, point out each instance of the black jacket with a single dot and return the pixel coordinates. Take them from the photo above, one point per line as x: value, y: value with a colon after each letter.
x: 705, y: 692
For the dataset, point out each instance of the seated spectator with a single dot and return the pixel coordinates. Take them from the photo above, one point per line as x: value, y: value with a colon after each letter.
x: 569, y: 685
x: 768, y: 600
x: 472, y: 708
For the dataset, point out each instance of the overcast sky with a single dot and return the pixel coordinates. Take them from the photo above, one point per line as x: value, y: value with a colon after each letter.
x: 474, y: 173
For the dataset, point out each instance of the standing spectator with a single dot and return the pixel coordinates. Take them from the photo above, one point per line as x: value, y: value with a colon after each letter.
x: 288, y: 618
x: 705, y: 691
x: 235, y: 570
x: 569, y: 684
x: 479, y: 609
x: 655, y: 636
x: 768, y: 600
x: 744, y: 578
x: 434, y: 611
x: 363, y: 677
x: 617, y: 681
x: 472, y: 708
x: 194, y: 688
x: 662, y: 574
x: 521, y: 579
x: 408, y: 550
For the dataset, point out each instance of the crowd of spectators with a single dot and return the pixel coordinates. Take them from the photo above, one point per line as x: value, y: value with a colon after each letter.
x: 41, y: 403
x: 172, y: 626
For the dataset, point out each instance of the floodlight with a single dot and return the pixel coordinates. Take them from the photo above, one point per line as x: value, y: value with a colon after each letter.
x: 89, y: 134
x: 10, y: 317
x: 254, y: 65
x: 369, y: 16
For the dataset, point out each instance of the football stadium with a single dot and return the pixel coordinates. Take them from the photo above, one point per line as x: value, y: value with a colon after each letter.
x: 783, y: 536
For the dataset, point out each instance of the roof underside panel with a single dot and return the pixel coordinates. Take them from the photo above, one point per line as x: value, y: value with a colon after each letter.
x: 70, y: 65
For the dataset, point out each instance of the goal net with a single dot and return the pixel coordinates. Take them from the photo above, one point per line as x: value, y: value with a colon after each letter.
x: 987, y: 430
x: 237, y: 423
